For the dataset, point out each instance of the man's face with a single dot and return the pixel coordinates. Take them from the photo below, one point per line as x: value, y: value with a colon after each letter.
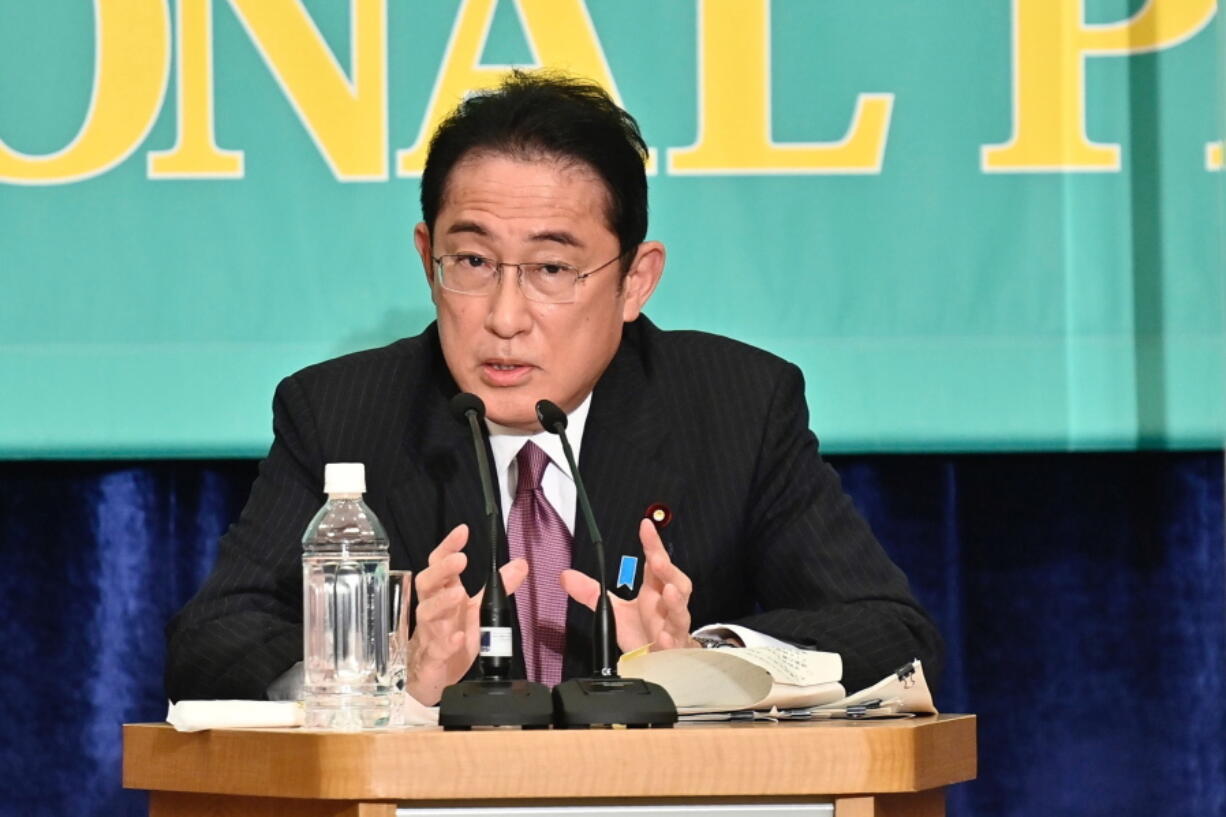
x: 508, y: 350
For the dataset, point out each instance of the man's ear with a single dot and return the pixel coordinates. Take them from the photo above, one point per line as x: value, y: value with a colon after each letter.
x: 421, y: 240
x: 641, y: 280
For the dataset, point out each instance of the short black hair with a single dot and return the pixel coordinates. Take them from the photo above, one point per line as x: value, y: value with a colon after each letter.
x: 547, y: 114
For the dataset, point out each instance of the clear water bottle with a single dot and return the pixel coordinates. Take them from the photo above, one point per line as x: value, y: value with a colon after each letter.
x: 344, y: 608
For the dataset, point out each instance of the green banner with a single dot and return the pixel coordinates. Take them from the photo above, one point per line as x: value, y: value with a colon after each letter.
x: 975, y: 225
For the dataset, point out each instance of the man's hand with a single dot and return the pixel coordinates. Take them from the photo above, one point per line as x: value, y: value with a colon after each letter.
x: 659, y: 614
x: 447, y: 637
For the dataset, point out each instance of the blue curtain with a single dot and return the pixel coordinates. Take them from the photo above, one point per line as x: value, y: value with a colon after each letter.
x: 1083, y: 599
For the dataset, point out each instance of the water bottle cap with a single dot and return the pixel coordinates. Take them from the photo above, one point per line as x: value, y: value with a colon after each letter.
x: 344, y: 478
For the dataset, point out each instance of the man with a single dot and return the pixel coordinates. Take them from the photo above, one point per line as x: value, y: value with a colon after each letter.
x: 534, y: 201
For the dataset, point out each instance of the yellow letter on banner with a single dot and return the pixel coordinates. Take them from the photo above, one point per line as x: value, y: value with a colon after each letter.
x: 734, y: 131
x: 195, y: 154
x: 1051, y: 42
x: 560, y: 34
x: 131, y: 63
x: 1213, y: 156
x: 347, y: 120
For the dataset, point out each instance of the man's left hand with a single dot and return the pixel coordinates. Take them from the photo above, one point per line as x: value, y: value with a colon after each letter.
x: 660, y: 614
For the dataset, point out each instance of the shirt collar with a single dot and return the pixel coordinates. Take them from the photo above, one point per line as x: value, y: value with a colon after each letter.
x: 506, y: 442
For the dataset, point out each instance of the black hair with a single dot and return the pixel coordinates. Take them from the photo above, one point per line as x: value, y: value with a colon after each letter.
x: 553, y: 115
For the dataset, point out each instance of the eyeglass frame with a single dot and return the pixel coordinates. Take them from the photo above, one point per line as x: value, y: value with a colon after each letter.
x: 519, y: 273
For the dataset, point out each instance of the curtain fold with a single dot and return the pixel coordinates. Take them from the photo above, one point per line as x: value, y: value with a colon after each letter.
x: 1082, y: 598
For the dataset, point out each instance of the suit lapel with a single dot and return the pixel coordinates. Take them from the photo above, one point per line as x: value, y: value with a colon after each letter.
x: 626, y: 465
x: 441, y: 487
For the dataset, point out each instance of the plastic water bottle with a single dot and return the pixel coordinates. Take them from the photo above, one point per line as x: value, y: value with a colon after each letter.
x: 344, y: 608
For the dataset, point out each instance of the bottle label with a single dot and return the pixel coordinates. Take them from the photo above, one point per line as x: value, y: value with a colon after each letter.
x: 495, y: 642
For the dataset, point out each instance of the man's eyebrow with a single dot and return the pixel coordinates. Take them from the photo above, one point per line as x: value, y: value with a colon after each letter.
x: 554, y: 236
x: 467, y: 227
x: 558, y: 237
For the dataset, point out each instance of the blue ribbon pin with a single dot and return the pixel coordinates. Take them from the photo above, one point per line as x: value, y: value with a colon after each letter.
x: 625, y: 572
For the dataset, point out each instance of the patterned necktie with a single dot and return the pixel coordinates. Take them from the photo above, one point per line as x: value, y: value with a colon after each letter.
x: 535, y: 532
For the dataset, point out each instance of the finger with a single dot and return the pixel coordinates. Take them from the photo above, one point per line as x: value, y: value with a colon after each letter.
x: 581, y: 587
x: 513, y: 574
x: 442, y: 605
x: 664, y: 572
x: 442, y: 573
x: 654, y: 610
x: 649, y: 535
x: 658, y: 563
x: 655, y: 557
x: 452, y: 543
x: 677, y: 609
x: 667, y: 619
x: 678, y: 579
x: 437, y: 642
x: 432, y: 641
x: 673, y: 641
x: 668, y: 640
x: 446, y: 563
x: 657, y: 579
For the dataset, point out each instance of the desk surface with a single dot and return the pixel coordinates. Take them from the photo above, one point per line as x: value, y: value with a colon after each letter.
x: 694, y: 760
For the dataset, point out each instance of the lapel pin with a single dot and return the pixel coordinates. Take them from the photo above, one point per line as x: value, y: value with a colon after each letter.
x: 660, y: 514
x: 625, y: 572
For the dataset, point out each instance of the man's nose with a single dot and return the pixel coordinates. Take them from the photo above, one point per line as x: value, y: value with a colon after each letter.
x: 509, y: 313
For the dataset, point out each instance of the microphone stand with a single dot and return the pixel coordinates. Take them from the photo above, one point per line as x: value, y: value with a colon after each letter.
x: 605, y: 699
x: 494, y: 699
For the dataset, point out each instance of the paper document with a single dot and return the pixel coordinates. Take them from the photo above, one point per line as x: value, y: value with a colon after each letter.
x: 701, y: 680
x: 776, y: 682
x: 903, y: 691
x: 193, y: 716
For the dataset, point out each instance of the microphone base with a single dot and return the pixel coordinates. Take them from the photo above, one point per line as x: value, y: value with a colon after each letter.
x: 495, y: 703
x: 581, y: 703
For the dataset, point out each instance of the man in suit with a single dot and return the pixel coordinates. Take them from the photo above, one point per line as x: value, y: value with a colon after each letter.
x: 534, y: 203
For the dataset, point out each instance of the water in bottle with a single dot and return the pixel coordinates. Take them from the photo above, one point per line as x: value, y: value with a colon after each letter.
x: 344, y: 608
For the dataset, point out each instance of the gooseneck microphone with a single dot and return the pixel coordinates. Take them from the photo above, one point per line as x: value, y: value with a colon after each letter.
x: 495, y: 655
x: 605, y: 699
x: 492, y: 700
x: 604, y: 640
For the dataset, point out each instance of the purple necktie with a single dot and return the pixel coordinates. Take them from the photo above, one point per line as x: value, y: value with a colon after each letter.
x: 535, y: 532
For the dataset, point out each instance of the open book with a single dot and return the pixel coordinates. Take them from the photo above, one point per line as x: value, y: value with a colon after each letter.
x: 784, y: 681
x: 732, y: 678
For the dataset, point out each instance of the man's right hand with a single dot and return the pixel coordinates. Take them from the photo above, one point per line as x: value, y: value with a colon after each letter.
x: 447, y: 637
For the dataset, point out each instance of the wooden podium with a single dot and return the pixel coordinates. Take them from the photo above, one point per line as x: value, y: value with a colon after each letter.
x: 889, y: 767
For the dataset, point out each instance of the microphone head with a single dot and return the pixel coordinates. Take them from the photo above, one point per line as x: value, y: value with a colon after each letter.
x: 552, y: 418
x: 465, y: 402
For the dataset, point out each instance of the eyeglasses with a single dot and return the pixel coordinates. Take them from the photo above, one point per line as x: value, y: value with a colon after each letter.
x: 546, y: 283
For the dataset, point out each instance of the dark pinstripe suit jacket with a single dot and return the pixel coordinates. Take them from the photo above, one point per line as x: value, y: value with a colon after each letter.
x: 715, y: 429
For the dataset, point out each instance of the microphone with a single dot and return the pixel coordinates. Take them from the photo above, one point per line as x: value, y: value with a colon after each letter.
x: 606, y: 699
x: 604, y: 639
x: 495, y: 655
x: 493, y: 700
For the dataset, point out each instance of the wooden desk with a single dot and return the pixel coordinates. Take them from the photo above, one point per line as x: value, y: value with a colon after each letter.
x: 868, y: 768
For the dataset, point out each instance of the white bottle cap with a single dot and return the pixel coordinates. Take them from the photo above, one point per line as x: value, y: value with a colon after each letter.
x: 345, y: 478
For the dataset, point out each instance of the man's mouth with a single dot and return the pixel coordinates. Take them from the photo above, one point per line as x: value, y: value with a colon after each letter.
x: 505, y: 372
